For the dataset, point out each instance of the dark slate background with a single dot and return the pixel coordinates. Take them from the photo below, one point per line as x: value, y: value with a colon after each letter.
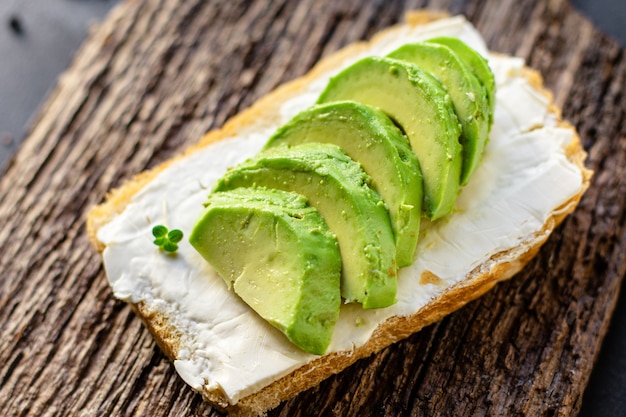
x: 39, y: 37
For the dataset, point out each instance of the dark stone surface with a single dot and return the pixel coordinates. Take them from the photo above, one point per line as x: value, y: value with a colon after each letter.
x: 607, y: 15
x: 38, y: 38
x: 37, y: 41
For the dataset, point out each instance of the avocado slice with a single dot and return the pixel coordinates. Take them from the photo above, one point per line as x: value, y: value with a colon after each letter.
x: 336, y: 186
x: 420, y: 105
x: 279, y: 256
x: 368, y: 136
x: 477, y: 63
x: 467, y: 93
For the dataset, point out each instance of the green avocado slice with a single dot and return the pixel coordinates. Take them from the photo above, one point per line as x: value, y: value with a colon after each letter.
x: 369, y: 137
x: 279, y: 256
x: 338, y: 188
x: 420, y: 105
x: 477, y: 63
x: 467, y: 93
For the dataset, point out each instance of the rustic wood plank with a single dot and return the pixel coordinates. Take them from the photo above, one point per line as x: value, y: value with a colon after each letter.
x: 155, y: 76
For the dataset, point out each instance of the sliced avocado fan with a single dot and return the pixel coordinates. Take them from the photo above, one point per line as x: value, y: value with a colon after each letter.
x: 331, y: 207
x: 421, y: 106
x: 468, y: 96
x: 369, y: 137
x: 477, y: 63
x: 279, y: 256
x: 338, y: 188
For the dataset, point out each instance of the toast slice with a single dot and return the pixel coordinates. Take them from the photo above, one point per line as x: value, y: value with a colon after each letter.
x: 532, y: 175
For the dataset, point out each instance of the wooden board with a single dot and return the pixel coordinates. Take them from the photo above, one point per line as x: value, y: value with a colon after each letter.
x: 156, y: 75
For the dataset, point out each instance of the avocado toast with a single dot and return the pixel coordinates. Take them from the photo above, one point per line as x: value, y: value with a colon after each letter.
x: 201, y: 338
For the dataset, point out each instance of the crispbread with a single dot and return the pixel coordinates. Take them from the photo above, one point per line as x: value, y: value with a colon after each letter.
x: 483, y: 277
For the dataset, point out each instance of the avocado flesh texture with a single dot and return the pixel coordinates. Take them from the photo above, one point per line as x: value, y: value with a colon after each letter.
x: 477, y: 63
x: 369, y: 137
x: 338, y: 188
x: 467, y: 94
x: 279, y: 256
x: 420, y: 105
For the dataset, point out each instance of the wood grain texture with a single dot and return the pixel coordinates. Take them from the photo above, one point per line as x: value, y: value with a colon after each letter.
x: 156, y: 75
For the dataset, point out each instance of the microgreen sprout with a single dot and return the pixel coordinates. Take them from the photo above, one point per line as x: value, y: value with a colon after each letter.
x: 167, y: 240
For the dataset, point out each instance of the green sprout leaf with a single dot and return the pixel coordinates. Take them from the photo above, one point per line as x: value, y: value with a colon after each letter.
x: 167, y: 240
x: 170, y: 247
x: 175, y: 236
x: 159, y: 231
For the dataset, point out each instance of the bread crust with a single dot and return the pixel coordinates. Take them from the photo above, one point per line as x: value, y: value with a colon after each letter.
x: 503, y: 265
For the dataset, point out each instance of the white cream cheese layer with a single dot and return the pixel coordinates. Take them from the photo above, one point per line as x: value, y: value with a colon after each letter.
x: 524, y: 177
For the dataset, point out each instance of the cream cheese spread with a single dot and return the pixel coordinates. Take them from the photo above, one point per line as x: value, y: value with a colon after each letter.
x: 524, y: 177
